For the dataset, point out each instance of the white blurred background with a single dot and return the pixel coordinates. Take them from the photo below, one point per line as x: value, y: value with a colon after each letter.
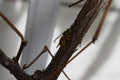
x: 98, y: 62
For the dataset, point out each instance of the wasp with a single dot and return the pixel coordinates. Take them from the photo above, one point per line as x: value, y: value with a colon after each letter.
x: 66, y: 38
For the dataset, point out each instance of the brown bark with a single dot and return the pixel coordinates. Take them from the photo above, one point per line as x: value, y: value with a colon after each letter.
x: 13, y: 67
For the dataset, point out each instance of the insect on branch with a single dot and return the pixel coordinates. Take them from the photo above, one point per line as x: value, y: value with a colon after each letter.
x: 69, y: 40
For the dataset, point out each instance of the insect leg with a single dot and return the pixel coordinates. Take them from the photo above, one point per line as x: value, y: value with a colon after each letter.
x: 57, y: 37
x: 71, y: 5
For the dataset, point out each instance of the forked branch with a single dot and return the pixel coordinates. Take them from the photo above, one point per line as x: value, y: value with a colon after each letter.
x: 13, y: 67
x: 70, y: 39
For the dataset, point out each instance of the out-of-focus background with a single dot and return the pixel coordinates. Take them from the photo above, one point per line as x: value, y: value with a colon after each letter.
x: 42, y: 21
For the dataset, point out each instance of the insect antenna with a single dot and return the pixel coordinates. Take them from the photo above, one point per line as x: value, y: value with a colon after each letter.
x: 71, y: 5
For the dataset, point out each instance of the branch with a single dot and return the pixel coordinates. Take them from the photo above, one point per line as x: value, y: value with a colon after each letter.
x: 68, y: 44
x: 79, y: 28
x: 14, y: 69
